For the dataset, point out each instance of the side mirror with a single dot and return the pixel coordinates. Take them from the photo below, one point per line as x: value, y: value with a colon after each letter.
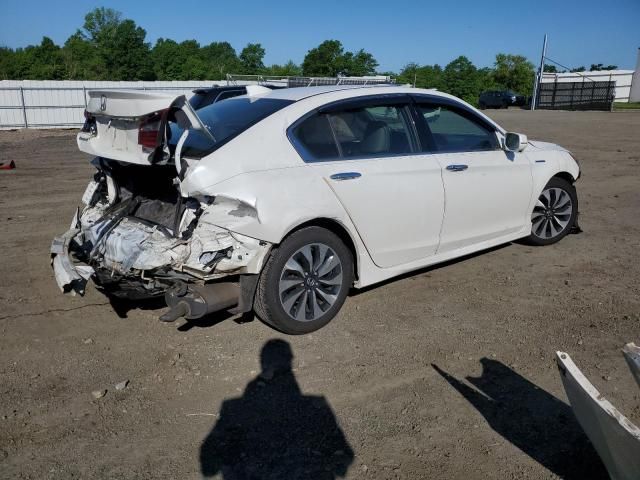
x: 515, y: 142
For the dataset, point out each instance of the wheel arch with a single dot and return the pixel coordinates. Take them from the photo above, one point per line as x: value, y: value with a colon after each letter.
x: 338, y: 229
x: 565, y: 176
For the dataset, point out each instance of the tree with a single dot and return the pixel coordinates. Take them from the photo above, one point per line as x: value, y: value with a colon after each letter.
x: 598, y: 67
x: 514, y: 72
x: 358, y: 64
x: 550, y: 69
x: 119, y: 44
x: 220, y: 58
x: 178, y: 61
x: 461, y: 79
x: 81, y: 59
x: 330, y: 60
x: 426, y: 76
x: 325, y: 60
x: 579, y: 69
x: 289, y: 69
x: 251, y: 58
x: 100, y: 23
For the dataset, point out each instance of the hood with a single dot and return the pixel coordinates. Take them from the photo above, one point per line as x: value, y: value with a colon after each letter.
x: 546, y: 146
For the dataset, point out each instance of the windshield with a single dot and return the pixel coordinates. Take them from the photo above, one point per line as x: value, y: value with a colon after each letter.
x: 225, y: 120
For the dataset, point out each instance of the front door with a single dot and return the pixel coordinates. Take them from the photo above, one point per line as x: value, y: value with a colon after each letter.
x: 487, y: 190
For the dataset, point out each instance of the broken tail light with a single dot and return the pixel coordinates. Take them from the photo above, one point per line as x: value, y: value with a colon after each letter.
x: 150, y: 133
x: 89, y: 123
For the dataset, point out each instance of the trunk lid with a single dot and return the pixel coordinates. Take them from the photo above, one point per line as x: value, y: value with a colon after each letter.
x: 131, y: 125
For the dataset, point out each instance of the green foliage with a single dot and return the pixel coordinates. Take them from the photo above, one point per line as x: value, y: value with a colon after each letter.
x: 462, y: 79
x: 110, y: 47
x: 289, y: 69
x: 358, y: 64
x: 251, y: 58
x: 579, y: 69
x: 598, y: 67
x: 426, y: 76
x: 330, y: 60
x: 220, y: 58
x: 514, y: 72
x: 325, y: 60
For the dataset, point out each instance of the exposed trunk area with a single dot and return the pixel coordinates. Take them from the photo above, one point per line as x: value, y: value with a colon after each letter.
x: 138, y: 236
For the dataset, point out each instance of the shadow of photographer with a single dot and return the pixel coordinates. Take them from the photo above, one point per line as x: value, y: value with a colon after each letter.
x: 274, y: 431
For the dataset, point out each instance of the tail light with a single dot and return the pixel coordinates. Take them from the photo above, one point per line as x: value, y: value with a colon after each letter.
x: 150, y: 132
x: 89, y: 123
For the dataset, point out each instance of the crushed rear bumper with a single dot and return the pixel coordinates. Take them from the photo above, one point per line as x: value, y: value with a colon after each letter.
x: 69, y: 277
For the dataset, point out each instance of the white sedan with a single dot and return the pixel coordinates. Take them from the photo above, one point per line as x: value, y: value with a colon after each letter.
x: 281, y: 201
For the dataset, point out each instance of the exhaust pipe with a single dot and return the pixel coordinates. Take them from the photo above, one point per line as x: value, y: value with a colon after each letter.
x: 196, y: 301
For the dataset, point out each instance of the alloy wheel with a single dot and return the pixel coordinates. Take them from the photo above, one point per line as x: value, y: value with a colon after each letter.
x: 310, y: 282
x: 552, y: 213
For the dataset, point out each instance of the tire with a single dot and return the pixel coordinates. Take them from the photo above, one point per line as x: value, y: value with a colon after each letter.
x: 482, y: 106
x: 553, y: 216
x: 293, y: 303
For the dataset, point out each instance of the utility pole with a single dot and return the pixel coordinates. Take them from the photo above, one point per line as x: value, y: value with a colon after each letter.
x: 538, y: 77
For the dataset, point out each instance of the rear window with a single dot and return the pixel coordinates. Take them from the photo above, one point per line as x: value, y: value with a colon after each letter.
x: 225, y: 120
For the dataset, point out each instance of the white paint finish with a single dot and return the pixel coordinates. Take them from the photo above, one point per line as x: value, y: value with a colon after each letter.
x: 395, y: 208
x: 614, y: 436
x: 117, y: 118
x: 128, y: 103
x: 396, y: 204
x: 631, y: 354
x: 488, y: 200
x: 270, y: 175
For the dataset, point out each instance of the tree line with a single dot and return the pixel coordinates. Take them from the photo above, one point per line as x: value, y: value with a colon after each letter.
x: 110, y: 47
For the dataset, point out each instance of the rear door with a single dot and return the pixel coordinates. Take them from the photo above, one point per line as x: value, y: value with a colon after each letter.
x: 487, y: 190
x: 367, y: 152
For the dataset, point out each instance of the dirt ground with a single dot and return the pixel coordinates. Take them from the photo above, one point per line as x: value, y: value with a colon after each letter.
x: 446, y: 373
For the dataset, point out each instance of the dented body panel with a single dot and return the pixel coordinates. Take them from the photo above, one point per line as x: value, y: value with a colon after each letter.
x: 219, y: 215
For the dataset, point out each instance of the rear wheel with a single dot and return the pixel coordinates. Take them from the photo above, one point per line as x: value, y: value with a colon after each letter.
x: 305, y: 281
x: 554, y: 213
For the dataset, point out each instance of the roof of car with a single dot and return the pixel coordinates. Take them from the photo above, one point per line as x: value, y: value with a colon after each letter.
x: 299, y: 93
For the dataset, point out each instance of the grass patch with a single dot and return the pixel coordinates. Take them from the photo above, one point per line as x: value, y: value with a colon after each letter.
x: 626, y: 106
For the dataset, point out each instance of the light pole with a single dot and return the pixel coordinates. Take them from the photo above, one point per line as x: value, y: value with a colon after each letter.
x: 538, y: 78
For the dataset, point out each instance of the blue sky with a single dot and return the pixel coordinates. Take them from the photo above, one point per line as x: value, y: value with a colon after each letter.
x: 394, y: 31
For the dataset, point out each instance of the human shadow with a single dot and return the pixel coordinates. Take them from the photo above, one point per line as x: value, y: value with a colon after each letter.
x: 274, y: 431
x: 532, y: 419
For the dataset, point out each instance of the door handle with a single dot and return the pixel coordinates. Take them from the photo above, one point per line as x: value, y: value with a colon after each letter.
x: 345, y: 176
x: 457, y: 167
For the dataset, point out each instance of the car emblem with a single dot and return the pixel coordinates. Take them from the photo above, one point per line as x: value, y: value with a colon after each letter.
x: 103, y: 103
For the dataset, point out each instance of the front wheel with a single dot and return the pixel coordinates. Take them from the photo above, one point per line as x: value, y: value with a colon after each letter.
x: 305, y: 281
x: 554, y: 213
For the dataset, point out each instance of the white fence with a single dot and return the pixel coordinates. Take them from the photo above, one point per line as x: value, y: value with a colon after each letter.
x: 623, y: 79
x: 60, y: 104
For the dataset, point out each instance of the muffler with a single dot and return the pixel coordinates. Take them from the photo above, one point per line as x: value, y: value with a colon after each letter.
x: 195, y: 301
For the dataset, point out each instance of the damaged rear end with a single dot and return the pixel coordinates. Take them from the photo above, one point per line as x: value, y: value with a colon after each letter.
x: 136, y: 235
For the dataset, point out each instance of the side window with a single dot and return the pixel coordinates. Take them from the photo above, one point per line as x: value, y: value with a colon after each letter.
x: 454, y: 132
x: 314, y: 140
x: 372, y: 131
